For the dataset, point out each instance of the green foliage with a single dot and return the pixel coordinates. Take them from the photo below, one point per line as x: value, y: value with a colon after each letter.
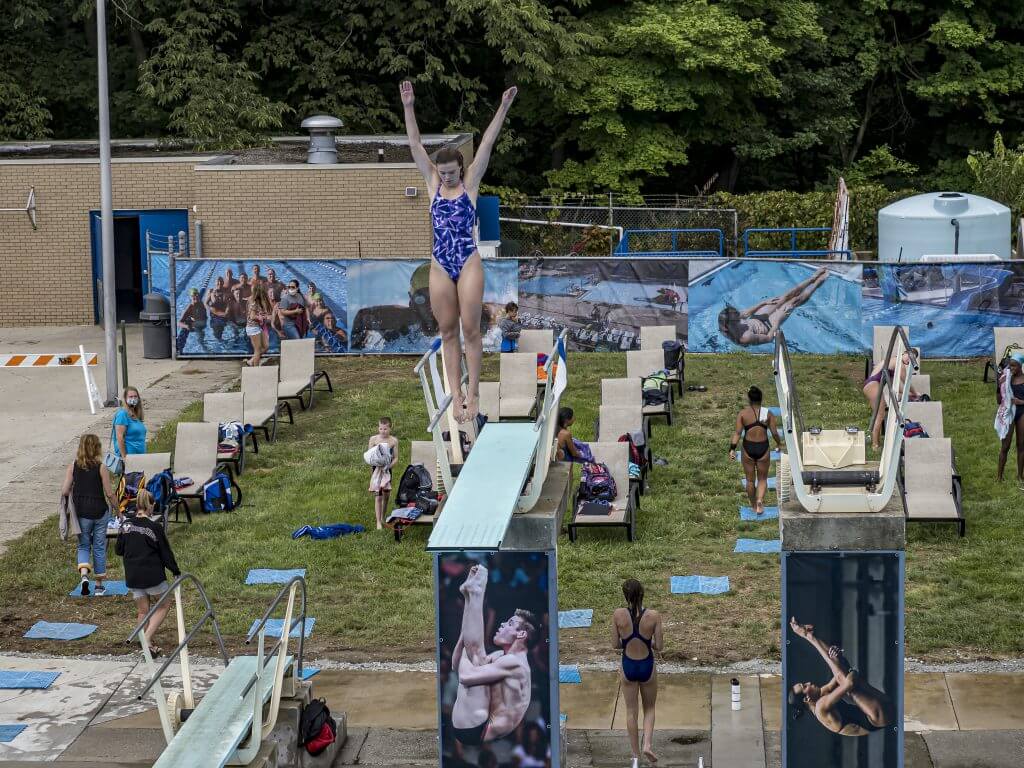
x: 878, y: 165
x: 999, y: 175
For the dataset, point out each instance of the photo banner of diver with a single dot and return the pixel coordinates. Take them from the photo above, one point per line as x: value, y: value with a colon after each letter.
x: 603, y: 302
x: 949, y: 309
x: 842, y: 661
x: 389, y: 305
x: 213, y: 298
x: 740, y: 304
x: 497, y: 701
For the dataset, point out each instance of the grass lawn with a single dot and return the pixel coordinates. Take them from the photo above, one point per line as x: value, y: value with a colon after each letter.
x: 372, y: 596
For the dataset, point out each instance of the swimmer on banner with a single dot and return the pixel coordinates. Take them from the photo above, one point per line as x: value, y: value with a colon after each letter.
x: 456, y: 274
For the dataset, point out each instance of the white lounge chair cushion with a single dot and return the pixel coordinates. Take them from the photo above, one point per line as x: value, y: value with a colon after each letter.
x: 292, y: 388
x: 929, y: 505
x: 517, y: 406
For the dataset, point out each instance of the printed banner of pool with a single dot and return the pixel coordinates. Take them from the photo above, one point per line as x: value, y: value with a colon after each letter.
x: 603, y: 302
x: 496, y: 650
x: 716, y: 305
x: 842, y: 659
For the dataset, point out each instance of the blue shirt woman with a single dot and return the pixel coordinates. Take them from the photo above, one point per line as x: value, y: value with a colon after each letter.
x: 129, y: 427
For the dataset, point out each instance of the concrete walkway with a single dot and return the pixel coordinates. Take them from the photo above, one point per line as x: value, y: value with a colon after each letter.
x: 46, y: 410
x: 90, y: 715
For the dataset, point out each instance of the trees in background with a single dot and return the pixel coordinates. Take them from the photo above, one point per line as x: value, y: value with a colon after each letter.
x: 623, y: 95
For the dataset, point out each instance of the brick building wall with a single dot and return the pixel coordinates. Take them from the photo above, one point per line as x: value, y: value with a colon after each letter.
x: 259, y: 211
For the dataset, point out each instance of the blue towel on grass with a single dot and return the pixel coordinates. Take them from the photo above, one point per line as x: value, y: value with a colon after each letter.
x: 10, y: 732
x: 16, y: 678
x: 274, y: 627
x: 569, y: 674
x: 763, y: 546
x: 114, y: 589
x: 45, y: 630
x: 271, y: 576
x: 326, y: 531
x: 704, y: 585
x: 308, y: 672
x: 771, y: 482
x: 747, y: 514
x: 581, y: 617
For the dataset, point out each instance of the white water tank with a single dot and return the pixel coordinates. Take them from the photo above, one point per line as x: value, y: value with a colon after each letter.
x: 943, y: 223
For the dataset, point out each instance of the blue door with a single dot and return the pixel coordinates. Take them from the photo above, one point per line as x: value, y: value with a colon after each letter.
x: 154, y: 227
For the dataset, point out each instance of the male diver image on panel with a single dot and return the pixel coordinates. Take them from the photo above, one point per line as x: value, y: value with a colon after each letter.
x: 494, y: 689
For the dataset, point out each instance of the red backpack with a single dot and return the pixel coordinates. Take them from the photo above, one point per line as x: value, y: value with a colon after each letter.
x: 636, y: 456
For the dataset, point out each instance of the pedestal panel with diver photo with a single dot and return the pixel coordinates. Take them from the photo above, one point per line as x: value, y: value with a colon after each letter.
x: 842, y: 660
x: 497, y: 647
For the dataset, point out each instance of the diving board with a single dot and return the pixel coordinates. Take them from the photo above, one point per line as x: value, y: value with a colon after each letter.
x: 480, y: 507
x: 222, y: 720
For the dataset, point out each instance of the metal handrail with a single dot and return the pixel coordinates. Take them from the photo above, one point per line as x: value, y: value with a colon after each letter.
x: 207, y: 615
x: 796, y: 418
x: 435, y: 345
x: 285, y: 631
x: 886, y: 383
x: 542, y: 411
x: 624, y: 245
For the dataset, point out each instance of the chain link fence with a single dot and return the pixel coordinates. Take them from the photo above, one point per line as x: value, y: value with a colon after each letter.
x: 585, y: 227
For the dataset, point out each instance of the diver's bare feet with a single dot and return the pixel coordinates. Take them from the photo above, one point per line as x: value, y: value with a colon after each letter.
x: 472, y: 408
x: 475, y: 582
x: 649, y: 756
x: 759, y: 508
x: 459, y: 406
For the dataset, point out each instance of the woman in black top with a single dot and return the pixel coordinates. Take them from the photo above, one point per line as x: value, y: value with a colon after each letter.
x: 87, y: 482
x: 754, y: 422
x: 143, y: 546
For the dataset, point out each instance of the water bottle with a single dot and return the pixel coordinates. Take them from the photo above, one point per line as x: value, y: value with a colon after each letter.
x: 735, y: 694
x: 700, y: 761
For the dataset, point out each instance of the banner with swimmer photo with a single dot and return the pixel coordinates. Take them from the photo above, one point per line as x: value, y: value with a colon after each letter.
x: 213, y: 300
x: 739, y: 305
x: 948, y: 309
x: 390, y: 312
x: 603, y: 302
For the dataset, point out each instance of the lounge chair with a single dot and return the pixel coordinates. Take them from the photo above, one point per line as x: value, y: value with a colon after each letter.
x: 195, y: 456
x: 623, y: 513
x: 652, y: 337
x: 932, y: 492
x: 625, y: 392
x: 517, y: 385
x: 641, y: 364
x: 298, y: 372
x: 928, y: 415
x: 262, y: 407
x: 490, y: 400
x: 922, y: 384
x: 537, y: 340
x: 1005, y: 340
x: 614, y: 421
x: 222, y: 408
x: 420, y: 452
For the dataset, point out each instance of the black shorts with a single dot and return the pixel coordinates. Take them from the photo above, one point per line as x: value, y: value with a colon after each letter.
x: 471, y: 737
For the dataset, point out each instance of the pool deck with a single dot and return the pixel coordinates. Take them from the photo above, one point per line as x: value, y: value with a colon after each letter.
x: 90, y: 715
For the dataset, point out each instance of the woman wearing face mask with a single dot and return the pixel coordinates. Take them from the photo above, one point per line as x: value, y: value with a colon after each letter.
x: 129, y: 426
x: 291, y: 310
x: 456, y: 274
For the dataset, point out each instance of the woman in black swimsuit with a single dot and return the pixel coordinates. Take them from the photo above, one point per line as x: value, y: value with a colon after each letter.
x: 847, y: 704
x: 760, y: 323
x: 754, y: 423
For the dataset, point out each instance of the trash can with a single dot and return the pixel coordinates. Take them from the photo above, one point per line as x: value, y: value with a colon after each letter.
x: 156, y: 327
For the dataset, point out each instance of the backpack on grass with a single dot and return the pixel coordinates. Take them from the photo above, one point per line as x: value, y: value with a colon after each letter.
x: 217, y: 495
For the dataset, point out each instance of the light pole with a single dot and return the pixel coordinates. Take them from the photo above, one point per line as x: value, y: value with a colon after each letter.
x: 106, y: 209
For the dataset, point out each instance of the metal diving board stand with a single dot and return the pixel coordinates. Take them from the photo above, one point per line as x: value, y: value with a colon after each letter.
x: 503, y: 474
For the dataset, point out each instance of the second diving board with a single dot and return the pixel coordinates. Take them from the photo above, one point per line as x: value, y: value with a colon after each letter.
x: 480, y: 507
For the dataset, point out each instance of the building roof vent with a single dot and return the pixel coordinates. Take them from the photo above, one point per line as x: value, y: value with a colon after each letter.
x: 322, y: 150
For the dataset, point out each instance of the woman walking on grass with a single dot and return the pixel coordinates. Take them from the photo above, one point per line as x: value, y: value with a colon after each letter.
x: 638, y: 634
x: 142, y: 543
x: 87, y: 483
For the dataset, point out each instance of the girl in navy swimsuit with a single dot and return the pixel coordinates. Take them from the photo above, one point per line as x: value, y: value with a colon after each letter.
x: 638, y: 633
x: 456, y: 274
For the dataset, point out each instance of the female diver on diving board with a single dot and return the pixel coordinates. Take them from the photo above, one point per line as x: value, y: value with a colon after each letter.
x: 456, y: 274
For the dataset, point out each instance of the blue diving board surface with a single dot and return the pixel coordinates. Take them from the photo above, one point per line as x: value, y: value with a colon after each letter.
x: 479, y: 509
x: 222, y: 719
